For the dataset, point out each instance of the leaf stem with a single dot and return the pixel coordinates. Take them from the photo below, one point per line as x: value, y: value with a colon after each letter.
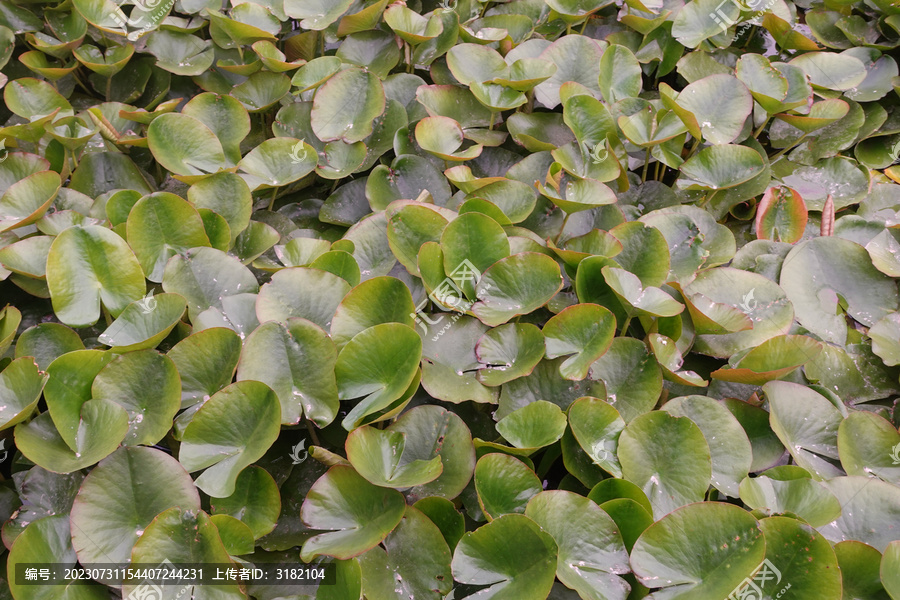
x: 626, y: 324
x: 272, y: 201
x: 312, y: 432
x: 775, y: 157
x: 646, y: 164
x: 760, y: 128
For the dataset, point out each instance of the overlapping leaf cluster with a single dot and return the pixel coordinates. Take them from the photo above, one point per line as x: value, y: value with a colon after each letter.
x: 517, y: 300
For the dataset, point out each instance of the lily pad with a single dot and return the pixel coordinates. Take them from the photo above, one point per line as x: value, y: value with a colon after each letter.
x: 232, y: 429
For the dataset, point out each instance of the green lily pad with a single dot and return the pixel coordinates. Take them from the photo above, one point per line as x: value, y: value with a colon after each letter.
x: 27, y: 256
x: 283, y: 297
x: 335, y: 118
x: 583, y: 332
x: 26, y: 201
x: 867, y: 504
x: 508, y: 352
x: 146, y: 384
x: 373, y: 302
x: 431, y: 432
x: 889, y: 564
x: 255, y: 501
x: 792, y: 408
x: 206, y: 361
x: 181, y: 53
x: 650, y: 300
x: 781, y: 216
x: 721, y: 104
x: 398, y: 568
x: 231, y: 430
x: 10, y: 318
x: 481, y: 558
x: 591, y: 557
x: 533, y: 426
x: 159, y: 226
x: 668, y: 458
x: 316, y: 14
x: 831, y: 71
x: 106, y: 63
x: 443, y: 137
x: 736, y: 548
x: 33, y: 99
x: 808, y: 499
x: 185, y: 145
x: 516, y: 285
x: 278, y: 162
x: 42, y: 541
x: 866, y: 444
x: 577, y: 59
x: 378, y: 456
x: 822, y: 273
x: 729, y: 446
x: 88, y: 266
x: 767, y: 84
x: 356, y: 514
x: 720, y: 167
x: 411, y: 26
x: 773, y: 359
x: 739, y: 294
x: 21, y: 384
x: 205, y: 277
x: 379, y: 363
x: 113, y: 506
x: 631, y: 375
x: 407, y: 177
x: 182, y: 535
x: 102, y: 426
x: 227, y: 195
x: 225, y: 117
x: 799, y: 557
x: 277, y: 355
x: 504, y: 485
x: 46, y: 342
x: 597, y: 425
